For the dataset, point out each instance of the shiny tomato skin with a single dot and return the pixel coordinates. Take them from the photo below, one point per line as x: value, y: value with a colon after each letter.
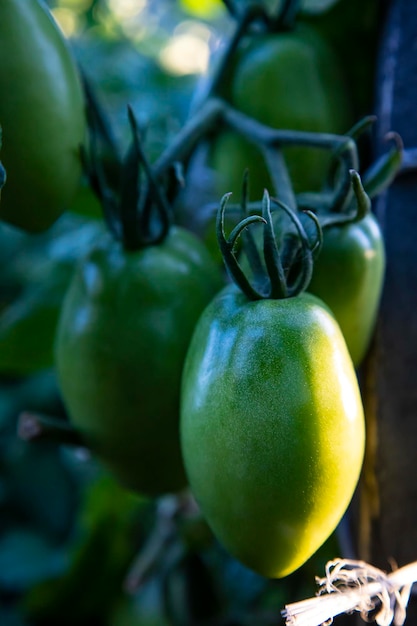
x: 272, y: 427
x: 348, y: 276
x: 122, y: 338
x: 42, y: 116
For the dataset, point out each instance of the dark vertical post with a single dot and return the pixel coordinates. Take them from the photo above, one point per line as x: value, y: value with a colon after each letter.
x: 387, y: 528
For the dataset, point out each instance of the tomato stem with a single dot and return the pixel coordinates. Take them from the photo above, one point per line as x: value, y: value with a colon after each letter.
x: 265, y: 135
x: 270, y: 141
x: 139, y: 212
x: 278, y: 171
x: 251, y: 14
x: 203, y: 122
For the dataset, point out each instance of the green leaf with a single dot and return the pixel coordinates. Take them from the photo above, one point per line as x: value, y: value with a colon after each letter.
x: 317, y: 6
x: 27, y: 558
x: 42, y: 272
x: 11, y: 617
x: 41, y: 487
x: 99, y: 557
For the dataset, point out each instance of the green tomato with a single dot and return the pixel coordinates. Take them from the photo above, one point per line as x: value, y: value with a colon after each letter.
x: 272, y: 427
x: 348, y: 276
x: 41, y: 115
x: 289, y: 80
x: 123, y: 335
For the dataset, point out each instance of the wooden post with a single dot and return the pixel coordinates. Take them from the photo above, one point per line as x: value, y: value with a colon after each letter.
x: 387, y: 530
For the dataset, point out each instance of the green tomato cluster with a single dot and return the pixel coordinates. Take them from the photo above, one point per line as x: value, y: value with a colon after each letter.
x: 170, y: 377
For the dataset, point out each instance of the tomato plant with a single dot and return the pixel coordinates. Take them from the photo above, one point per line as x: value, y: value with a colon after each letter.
x: 41, y: 115
x: 272, y: 425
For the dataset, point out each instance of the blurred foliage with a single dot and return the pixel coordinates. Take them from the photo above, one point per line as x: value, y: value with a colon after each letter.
x: 70, y: 537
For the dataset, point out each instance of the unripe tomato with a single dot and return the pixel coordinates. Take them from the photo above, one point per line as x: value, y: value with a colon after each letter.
x: 41, y: 116
x: 288, y: 80
x: 272, y: 426
x: 348, y: 276
x: 125, y: 327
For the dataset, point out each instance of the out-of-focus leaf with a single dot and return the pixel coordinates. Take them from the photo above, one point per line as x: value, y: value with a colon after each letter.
x: 317, y: 6
x: 143, y: 609
x: 240, y: 585
x: 11, y: 241
x: 11, y: 617
x: 40, y: 487
x: 8, y: 407
x: 103, y: 548
x: 27, y: 558
x: 190, y: 591
x: 44, y: 269
x: 37, y: 393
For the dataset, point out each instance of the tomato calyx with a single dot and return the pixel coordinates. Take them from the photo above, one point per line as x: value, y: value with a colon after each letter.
x: 335, y: 207
x: 283, y: 269
x: 145, y: 216
x: 382, y: 172
x: 134, y: 203
x: 358, y: 208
